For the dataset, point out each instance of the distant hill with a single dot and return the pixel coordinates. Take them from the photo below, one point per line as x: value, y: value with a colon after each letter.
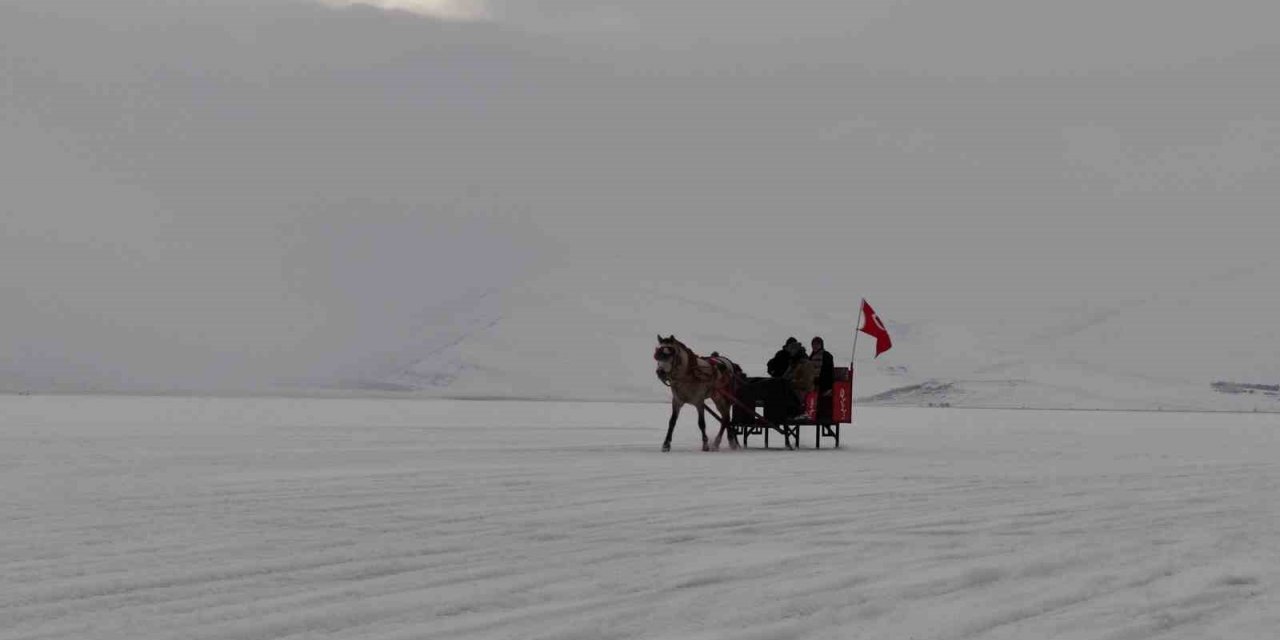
x: 580, y: 334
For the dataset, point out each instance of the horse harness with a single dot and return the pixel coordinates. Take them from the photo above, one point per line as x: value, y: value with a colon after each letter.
x: 692, y: 371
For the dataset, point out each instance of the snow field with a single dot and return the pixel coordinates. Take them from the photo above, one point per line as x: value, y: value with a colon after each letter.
x: 383, y: 519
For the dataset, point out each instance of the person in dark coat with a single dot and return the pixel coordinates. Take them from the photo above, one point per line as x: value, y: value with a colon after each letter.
x: 780, y: 403
x: 825, y: 365
x: 796, y: 350
x: 781, y: 361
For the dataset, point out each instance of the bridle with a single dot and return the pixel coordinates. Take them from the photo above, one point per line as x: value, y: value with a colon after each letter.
x: 668, y: 352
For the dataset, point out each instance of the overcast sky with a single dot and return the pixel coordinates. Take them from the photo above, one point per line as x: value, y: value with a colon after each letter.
x: 227, y: 194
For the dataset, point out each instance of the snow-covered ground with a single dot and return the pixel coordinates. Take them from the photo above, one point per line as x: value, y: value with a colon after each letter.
x: 139, y: 518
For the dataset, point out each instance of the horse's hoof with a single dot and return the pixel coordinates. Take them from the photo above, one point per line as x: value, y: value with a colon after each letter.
x: 666, y: 446
x: 706, y: 447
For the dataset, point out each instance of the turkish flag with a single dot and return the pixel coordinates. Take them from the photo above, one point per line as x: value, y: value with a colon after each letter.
x: 873, y: 326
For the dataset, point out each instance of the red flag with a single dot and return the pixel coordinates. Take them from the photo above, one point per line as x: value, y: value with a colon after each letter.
x: 873, y: 326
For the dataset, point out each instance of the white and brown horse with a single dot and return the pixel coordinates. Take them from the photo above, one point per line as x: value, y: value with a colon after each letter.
x: 694, y: 380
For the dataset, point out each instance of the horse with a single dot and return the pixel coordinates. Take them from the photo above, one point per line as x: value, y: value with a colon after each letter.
x: 694, y: 380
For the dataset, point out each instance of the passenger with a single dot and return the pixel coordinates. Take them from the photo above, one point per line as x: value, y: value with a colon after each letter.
x: 783, y: 399
x: 781, y: 361
x: 799, y: 378
x: 825, y: 368
x: 796, y: 350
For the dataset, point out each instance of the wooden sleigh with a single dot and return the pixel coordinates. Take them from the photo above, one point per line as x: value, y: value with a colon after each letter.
x: 747, y: 420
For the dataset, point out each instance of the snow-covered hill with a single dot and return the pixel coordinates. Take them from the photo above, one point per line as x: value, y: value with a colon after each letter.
x: 579, y: 333
x: 225, y: 202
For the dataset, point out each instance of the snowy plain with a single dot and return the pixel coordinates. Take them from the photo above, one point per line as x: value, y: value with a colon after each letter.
x: 137, y: 518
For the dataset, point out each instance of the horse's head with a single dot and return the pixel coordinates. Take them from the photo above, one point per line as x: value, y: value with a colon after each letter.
x: 669, y: 354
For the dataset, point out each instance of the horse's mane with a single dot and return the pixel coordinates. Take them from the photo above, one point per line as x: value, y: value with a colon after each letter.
x: 692, y: 358
x: 672, y: 340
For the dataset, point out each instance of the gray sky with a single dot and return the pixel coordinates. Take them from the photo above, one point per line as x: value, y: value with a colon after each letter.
x: 231, y: 194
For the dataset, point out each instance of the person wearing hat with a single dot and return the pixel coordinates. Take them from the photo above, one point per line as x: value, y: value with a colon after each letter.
x: 785, y: 400
x: 825, y: 365
x: 781, y: 361
x: 798, y: 356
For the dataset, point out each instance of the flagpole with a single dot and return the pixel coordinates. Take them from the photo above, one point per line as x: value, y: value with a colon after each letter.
x: 857, y: 328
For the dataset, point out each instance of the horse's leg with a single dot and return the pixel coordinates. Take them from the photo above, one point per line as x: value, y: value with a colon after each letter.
x: 671, y: 425
x: 719, y: 434
x: 702, y: 426
x: 723, y: 405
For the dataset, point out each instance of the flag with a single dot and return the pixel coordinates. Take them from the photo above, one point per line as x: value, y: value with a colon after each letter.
x: 873, y: 326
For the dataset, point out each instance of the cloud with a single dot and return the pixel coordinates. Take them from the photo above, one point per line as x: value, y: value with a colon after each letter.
x: 225, y: 194
x: 936, y: 37
x: 1017, y: 37
x: 460, y: 10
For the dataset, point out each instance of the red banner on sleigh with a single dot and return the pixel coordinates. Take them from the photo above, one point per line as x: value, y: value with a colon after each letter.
x: 841, y: 402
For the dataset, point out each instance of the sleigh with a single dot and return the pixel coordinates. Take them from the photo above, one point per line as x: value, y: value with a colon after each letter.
x: 753, y: 414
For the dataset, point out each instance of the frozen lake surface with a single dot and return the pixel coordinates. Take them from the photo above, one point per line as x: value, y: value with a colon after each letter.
x: 137, y: 518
